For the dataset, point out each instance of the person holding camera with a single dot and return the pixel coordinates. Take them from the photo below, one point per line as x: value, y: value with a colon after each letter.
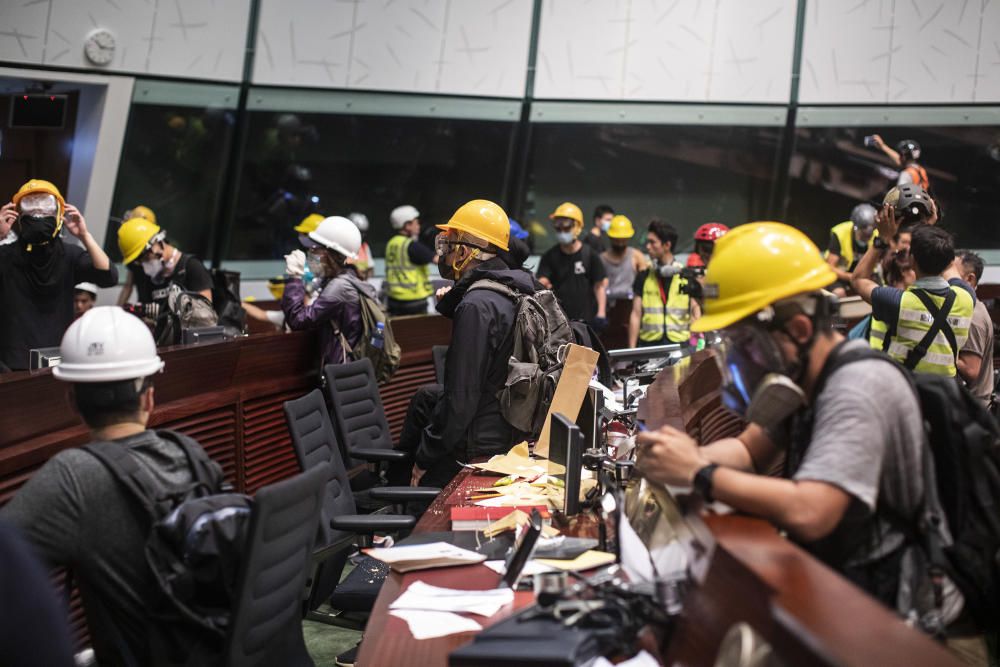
x: 662, y: 308
x: 38, y: 272
x: 905, y: 157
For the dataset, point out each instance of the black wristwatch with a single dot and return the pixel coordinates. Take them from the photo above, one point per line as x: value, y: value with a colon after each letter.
x: 879, y: 243
x: 703, y: 481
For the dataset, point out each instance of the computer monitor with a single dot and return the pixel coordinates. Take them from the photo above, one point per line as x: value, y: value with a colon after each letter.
x: 520, y: 554
x: 566, y: 450
x: 589, y: 419
x: 44, y: 357
x: 203, y: 335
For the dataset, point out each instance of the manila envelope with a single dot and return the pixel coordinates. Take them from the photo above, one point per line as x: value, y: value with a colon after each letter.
x: 570, y: 391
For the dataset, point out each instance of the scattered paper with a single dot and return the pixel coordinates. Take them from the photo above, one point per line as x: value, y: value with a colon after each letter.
x: 515, y: 462
x: 570, y: 390
x: 425, y: 556
x: 533, y: 567
x: 421, y: 596
x: 640, y: 659
x: 588, y: 560
x: 430, y: 624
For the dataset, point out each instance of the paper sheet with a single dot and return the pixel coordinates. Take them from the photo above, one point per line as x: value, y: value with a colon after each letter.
x: 532, y: 567
x: 515, y: 462
x: 421, y: 596
x: 430, y: 624
x: 588, y: 560
x: 422, y: 556
x: 572, y: 387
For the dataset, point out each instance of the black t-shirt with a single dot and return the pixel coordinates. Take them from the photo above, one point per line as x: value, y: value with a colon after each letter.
x: 859, y: 250
x: 598, y: 244
x: 35, y: 314
x: 190, y: 274
x: 573, y: 278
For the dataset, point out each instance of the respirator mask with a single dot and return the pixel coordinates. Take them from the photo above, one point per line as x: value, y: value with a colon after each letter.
x: 314, y: 260
x: 444, y: 246
x: 154, y: 266
x: 38, y: 221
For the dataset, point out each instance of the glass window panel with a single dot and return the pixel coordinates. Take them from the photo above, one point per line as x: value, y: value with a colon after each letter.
x: 173, y: 161
x: 831, y: 171
x: 684, y: 174
x: 334, y: 164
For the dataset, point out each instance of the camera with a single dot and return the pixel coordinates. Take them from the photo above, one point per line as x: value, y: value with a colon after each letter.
x: 870, y: 141
x: 691, y: 286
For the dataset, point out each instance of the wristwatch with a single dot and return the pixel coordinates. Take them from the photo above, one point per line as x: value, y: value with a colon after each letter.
x: 879, y: 243
x: 703, y: 481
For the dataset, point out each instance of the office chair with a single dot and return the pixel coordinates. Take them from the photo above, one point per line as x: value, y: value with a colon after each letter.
x: 339, y: 525
x: 439, y: 353
x: 266, y: 623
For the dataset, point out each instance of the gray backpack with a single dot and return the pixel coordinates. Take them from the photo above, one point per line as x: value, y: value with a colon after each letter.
x: 541, y: 333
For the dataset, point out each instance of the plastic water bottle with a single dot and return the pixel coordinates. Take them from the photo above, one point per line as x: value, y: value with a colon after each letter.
x: 378, y: 337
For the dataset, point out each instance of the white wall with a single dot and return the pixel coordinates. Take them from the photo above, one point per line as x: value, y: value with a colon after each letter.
x: 666, y: 50
x: 901, y: 51
x: 466, y: 47
x: 203, y: 39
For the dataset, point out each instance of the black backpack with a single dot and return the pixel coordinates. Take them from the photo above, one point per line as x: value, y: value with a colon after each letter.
x: 194, y: 551
x: 963, y: 441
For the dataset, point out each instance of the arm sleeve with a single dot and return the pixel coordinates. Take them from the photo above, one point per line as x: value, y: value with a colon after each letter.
x: 419, y: 253
x: 84, y: 271
x: 299, y: 316
x: 48, y: 510
x: 198, y: 278
x: 465, y: 368
x: 833, y: 247
x: 885, y: 303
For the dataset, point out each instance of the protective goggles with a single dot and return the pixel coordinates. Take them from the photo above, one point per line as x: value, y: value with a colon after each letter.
x: 443, y: 244
x: 747, y: 354
x: 39, y: 203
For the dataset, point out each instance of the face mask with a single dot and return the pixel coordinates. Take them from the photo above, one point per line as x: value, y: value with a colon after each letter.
x: 445, y: 268
x: 619, y: 249
x: 34, y: 229
x: 605, y: 225
x: 565, y: 238
x: 153, y: 267
x: 316, y: 265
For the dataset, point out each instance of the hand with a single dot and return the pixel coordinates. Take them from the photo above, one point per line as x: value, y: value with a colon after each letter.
x: 75, y: 224
x: 417, y: 475
x: 441, y: 292
x: 886, y: 223
x: 933, y: 220
x: 669, y: 456
x: 877, y: 140
x: 295, y: 264
x: 599, y: 324
x: 8, y: 216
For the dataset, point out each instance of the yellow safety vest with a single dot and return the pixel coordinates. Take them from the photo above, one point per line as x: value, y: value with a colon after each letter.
x: 671, y: 319
x: 845, y: 234
x: 404, y: 280
x: 913, y: 324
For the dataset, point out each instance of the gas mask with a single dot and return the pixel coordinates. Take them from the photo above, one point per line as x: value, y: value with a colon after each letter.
x: 38, y: 221
x: 565, y: 238
x: 314, y: 260
x: 445, y: 247
x: 156, y: 267
x: 665, y: 270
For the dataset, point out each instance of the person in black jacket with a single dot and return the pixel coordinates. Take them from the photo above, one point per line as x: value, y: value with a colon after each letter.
x: 460, y: 421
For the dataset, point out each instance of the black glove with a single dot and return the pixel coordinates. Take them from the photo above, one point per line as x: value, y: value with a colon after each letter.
x: 599, y: 324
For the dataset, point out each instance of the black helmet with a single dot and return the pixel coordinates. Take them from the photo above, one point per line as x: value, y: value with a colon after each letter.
x: 908, y: 149
x: 863, y: 215
x: 911, y: 202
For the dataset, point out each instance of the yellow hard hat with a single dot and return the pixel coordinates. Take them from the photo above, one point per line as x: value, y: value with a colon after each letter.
x: 309, y: 223
x: 568, y: 210
x: 134, y: 236
x: 756, y: 265
x: 37, y: 185
x: 140, y: 211
x: 483, y: 219
x: 276, y: 286
x: 621, y: 228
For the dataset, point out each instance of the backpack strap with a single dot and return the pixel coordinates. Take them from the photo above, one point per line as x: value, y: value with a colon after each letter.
x: 493, y: 286
x: 940, y: 324
x: 124, y: 468
x: 204, y: 470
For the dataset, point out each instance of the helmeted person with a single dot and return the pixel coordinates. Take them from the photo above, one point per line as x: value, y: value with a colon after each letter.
x: 924, y: 326
x: 573, y: 270
x: 407, y: 264
x: 39, y: 271
x: 154, y: 264
x: 853, y: 440
x: 905, y: 156
x: 365, y: 263
x: 75, y: 511
x: 461, y: 420
x: 849, y: 240
x: 704, y: 244
x: 621, y: 262
x: 661, y: 308
x: 336, y: 311
x: 84, y: 298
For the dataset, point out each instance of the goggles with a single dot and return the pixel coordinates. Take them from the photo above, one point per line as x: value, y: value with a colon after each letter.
x: 443, y: 244
x: 39, y: 203
x: 147, y: 253
x: 563, y: 226
x: 746, y: 356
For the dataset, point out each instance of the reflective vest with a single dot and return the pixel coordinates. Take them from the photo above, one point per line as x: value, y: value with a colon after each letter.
x: 918, y: 176
x: 404, y: 280
x: 670, y: 319
x: 845, y: 235
x: 912, y: 325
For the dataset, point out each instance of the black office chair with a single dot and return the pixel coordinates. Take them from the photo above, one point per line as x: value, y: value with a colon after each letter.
x: 439, y: 353
x: 340, y: 526
x: 266, y: 624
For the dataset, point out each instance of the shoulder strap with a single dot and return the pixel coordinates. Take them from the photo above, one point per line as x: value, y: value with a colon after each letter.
x: 940, y: 324
x: 204, y: 470
x: 493, y: 286
x: 123, y: 467
x: 839, y: 358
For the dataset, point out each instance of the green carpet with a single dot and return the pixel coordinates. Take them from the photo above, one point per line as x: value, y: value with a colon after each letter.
x: 326, y: 642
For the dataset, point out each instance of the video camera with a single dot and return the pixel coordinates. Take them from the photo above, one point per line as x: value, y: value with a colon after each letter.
x: 691, y: 285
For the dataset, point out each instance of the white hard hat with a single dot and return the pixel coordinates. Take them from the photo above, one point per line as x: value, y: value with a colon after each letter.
x: 402, y: 215
x: 339, y: 234
x: 106, y: 344
x: 360, y: 220
x: 87, y: 287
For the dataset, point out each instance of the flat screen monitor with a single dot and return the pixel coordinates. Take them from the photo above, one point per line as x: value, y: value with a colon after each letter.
x: 589, y: 419
x: 38, y: 112
x: 520, y: 554
x: 566, y: 451
x: 44, y: 357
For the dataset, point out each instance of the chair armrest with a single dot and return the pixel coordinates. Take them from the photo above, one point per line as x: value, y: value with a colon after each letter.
x: 373, y: 455
x: 373, y: 523
x: 396, y: 494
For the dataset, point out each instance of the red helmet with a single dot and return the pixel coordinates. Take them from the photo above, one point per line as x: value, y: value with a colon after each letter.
x: 710, y: 231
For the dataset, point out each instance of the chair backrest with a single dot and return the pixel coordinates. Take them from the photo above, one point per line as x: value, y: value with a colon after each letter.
x: 439, y: 353
x: 266, y: 625
x: 357, y: 407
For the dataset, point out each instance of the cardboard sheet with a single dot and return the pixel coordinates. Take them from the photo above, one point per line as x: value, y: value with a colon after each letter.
x: 570, y: 391
x: 585, y: 561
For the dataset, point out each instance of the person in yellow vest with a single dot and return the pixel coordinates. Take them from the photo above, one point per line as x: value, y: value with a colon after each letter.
x: 924, y: 326
x: 407, y: 264
x: 662, y: 310
x: 848, y: 242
